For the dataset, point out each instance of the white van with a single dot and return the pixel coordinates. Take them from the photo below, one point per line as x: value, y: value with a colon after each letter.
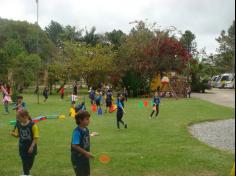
x: 214, y: 80
x: 225, y: 81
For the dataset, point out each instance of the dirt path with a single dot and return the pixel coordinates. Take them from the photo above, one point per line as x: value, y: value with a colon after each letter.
x: 224, y: 97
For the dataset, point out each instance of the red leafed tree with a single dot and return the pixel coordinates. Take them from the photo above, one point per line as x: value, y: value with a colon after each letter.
x: 166, y: 54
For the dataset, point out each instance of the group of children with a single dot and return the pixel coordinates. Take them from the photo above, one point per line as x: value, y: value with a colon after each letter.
x: 28, y: 133
x: 61, y: 91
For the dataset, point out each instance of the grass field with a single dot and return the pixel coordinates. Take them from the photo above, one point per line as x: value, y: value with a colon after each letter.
x: 161, y: 147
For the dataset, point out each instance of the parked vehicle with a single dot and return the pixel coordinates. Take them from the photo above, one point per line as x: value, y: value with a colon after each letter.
x: 214, y: 80
x: 225, y: 81
x: 231, y: 83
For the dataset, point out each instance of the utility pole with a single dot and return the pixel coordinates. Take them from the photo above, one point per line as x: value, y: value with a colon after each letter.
x: 37, y: 50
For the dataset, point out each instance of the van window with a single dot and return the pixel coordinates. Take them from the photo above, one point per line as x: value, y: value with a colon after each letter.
x: 215, y: 78
x: 218, y: 78
x: 225, y: 78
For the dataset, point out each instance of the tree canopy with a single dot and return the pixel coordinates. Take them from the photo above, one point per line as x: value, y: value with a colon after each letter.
x: 65, y: 53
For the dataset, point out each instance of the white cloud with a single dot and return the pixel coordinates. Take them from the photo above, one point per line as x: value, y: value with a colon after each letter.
x: 205, y: 18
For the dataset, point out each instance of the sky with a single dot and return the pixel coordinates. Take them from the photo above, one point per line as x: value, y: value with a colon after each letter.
x: 205, y: 18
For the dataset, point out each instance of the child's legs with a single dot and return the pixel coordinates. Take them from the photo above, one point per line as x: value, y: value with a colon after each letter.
x: 6, y: 106
x: 157, y: 110
x: 92, y: 101
x: 81, y: 169
x: 119, y: 119
x: 152, y: 113
x: 27, y: 162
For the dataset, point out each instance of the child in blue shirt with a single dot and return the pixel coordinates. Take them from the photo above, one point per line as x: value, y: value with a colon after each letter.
x: 80, y: 145
x: 156, y: 105
x: 98, y: 99
x: 120, y: 111
x: 91, y: 95
x: 20, y: 105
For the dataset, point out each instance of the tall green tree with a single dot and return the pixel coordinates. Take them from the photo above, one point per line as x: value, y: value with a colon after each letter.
x: 188, y: 40
x: 55, y: 32
x: 116, y: 38
x: 90, y: 37
x: 226, y: 50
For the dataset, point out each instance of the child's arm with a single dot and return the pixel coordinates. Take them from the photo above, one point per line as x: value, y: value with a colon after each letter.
x: 15, y: 133
x: 31, y: 149
x: 35, y: 130
x: 15, y: 107
x: 123, y: 110
x: 84, y: 152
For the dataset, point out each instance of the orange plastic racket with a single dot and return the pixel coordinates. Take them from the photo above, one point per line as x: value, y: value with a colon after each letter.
x: 104, y: 159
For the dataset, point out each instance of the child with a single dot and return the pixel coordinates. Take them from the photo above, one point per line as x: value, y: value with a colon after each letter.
x: 91, y: 95
x: 20, y: 105
x: 62, y: 92
x: 80, y: 107
x: 98, y: 99
x: 75, y: 88
x: 120, y: 111
x: 45, y: 93
x: 28, y: 134
x: 156, y: 103
x: 6, y: 98
x: 125, y: 94
x: 108, y: 99
x: 73, y: 99
x: 189, y: 91
x: 80, y: 145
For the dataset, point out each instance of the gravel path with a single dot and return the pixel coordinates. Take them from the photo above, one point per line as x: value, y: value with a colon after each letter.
x: 219, y: 134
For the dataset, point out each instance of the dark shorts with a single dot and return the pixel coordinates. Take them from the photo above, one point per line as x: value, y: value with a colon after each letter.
x: 108, y: 103
x: 98, y: 103
x: 119, y: 115
x: 80, y: 168
x: 45, y: 96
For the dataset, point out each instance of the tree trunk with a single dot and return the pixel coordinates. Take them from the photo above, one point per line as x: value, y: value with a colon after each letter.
x: 10, y: 77
x: 45, y: 79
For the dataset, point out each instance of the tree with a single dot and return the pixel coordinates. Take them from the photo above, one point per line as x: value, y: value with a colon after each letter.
x: 189, y: 43
x: 55, y: 32
x: 90, y: 37
x: 147, y: 52
x: 116, y: 38
x: 20, y: 39
x: 26, y: 69
x: 226, y: 50
x: 71, y: 34
x: 96, y: 64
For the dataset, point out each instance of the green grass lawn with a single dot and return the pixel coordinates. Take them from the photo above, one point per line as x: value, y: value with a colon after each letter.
x: 161, y: 147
